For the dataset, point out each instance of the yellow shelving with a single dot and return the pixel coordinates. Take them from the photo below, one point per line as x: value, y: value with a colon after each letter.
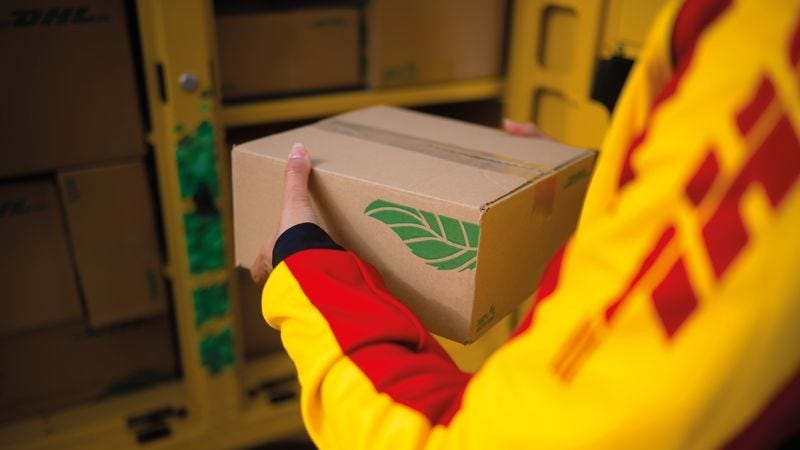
x: 306, y: 107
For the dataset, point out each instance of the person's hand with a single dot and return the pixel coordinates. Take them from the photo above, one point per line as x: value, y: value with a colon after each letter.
x: 525, y: 129
x: 296, y: 208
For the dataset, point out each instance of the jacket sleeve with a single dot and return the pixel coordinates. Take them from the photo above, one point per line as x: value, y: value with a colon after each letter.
x: 668, y: 321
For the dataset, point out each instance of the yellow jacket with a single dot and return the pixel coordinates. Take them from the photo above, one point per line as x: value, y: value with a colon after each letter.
x: 671, y: 319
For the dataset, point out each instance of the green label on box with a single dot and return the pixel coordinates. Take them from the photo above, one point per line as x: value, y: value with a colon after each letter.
x: 443, y: 242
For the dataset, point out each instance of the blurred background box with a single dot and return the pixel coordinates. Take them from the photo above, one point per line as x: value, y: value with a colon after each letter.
x: 111, y: 221
x: 68, y: 85
x: 37, y: 277
x: 422, y: 41
x: 48, y: 369
x: 288, y: 51
x: 259, y: 338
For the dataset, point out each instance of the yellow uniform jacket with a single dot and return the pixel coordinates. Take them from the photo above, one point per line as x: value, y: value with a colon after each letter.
x: 671, y: 318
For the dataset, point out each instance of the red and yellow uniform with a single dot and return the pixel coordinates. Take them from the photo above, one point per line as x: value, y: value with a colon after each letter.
x: 669, y: 320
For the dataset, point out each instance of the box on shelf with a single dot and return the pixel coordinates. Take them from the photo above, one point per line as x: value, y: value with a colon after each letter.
x: 111, y: 220
x: 259, y: 338
x: 45, y: 370
x: 460, y: 227
x: 37, y: 278
x: 422, y: 41
x: 68, y: 86
x: 288, y: 51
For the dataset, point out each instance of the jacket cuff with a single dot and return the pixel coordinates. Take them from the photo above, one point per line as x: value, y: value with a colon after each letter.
x: 304, y: 236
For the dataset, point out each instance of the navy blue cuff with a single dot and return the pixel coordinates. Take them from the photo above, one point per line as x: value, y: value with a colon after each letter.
x: 304, y: 236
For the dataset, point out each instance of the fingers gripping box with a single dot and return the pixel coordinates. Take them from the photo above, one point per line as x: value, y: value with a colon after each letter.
x: 459, y: 219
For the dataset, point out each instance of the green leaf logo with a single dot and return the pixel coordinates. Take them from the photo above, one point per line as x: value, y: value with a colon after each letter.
x: 443, y: 242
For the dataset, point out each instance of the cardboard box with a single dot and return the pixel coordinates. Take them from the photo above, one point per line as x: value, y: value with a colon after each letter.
x: 68, y: 86
x: 460, y: 219
x: 259, y: 338
x: 46, y: 370
x: 111, y: 221
x: 288, y: 51
x: 37, y: 278
x: 423, y: 41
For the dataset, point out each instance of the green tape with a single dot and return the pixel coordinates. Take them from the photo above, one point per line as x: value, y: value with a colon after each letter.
x: 196, y: 161
x: 216, y: 351
x: 210, y: 302
x: 204, y: 241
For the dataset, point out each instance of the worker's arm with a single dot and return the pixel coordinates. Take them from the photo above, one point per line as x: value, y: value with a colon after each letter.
x: 668, y: 321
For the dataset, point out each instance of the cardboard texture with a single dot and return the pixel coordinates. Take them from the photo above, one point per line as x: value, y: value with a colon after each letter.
x: 422, y: 41
x: 67, y: 84
x: 37, y: 278
x: 112, y: 229
x: 288, y: 51
x: 460, y: 219
x: 259, y: 338
x: 49, y: 369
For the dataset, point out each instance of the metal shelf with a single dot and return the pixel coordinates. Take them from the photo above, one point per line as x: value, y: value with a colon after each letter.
x: 311, y: 106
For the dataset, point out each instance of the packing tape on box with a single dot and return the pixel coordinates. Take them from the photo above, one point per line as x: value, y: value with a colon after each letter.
x: 449, y: 152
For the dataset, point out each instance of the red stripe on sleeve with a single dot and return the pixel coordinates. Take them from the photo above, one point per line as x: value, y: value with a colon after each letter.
x: 674, y: 299
x: 704, y: 178
x: 775, y: 165
x: 647, y: 263
x: 692, y: 19
x: 750, y: 113
x: 794, y: 47
x: 379, y: 334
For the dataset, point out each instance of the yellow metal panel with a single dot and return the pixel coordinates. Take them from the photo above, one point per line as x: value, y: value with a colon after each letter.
x: 175, y: 36
x: 306, y: 107
x: 626, y: 26
x: 179, y: 35
x: 554, y: 46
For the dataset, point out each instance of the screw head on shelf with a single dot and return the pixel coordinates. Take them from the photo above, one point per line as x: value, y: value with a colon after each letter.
x: 188, y: 81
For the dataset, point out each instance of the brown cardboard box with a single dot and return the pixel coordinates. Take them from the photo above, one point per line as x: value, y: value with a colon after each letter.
x: 288, y: 51
x: 49, y: 369
x: 112, y: 228
x: 259, y: 338
x: 67, y: 84
x: 422, y: 41
x: 37, y: 278
x: 460, y: 219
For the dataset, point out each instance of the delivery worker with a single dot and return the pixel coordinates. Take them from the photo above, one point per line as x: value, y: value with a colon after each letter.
x: 669, y: 320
